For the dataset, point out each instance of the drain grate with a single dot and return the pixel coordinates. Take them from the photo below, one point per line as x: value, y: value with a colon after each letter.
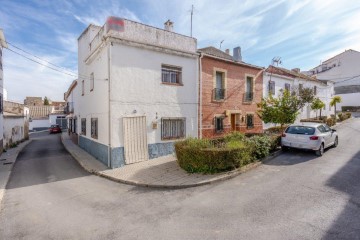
x: 7, y: 163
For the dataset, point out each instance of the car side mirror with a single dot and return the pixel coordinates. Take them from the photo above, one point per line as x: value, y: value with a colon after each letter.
x: 333, y: 130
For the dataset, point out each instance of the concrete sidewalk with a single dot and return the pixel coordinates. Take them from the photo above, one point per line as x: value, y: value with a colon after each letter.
x: 162, y: 172
x: 7, y: 161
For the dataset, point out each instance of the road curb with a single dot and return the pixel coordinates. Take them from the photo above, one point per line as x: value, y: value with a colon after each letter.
x: 225, y: 176
x: 14, y: 156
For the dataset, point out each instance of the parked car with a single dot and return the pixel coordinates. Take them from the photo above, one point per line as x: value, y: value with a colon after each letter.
x: 55, y: 129
x: 312, y: 136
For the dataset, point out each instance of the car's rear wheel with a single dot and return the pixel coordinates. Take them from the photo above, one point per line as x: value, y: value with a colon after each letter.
x: 336, y: 142
x: 320, y: 151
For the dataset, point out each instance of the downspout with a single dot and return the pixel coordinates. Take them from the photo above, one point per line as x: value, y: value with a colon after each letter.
x: 109, y: 105
x: 200, y: 96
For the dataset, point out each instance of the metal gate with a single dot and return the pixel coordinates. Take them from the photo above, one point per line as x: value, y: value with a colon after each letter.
x: 62, y: 122
x: 135, y: 139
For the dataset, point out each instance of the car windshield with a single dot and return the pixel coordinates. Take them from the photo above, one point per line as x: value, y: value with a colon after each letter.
x: 300, y: 130
x: 54, y: 126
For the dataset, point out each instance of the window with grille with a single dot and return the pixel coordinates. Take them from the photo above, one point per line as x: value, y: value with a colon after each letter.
x: 94, y: 128
x: 91, y: 82
x: 219, y: 124
x: 249, y: 121
x: 272, y: 87
x: 82, y: 87
x: 173, y: 128
x: 287, y: 87
x: 83, y: 126
x: 171, y: 74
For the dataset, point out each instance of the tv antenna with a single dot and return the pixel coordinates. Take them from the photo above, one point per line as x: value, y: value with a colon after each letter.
x: 191, y: 19
x: 221, y: 43
x: 276, y: 60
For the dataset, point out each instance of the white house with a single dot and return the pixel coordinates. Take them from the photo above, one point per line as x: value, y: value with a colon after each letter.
x: 16, y: 123
x: 71, y: 98
x: 138, y: 88
x: 3, y: 44
x: 344, y: 70
x: 277, y: 79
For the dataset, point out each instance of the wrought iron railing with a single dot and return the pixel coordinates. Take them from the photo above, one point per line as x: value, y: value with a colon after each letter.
x: 218, y: 94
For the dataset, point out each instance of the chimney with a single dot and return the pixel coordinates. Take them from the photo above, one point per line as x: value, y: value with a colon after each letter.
x: 237, y: 54
x: 297, y: 70
x: 168, y: 25
x: 227, y: 51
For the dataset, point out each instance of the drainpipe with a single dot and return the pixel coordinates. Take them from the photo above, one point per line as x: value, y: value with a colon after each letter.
x: 109, y: 105
x: 200, y: 95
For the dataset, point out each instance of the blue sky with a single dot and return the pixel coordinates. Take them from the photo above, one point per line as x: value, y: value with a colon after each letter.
x: 302, y: 33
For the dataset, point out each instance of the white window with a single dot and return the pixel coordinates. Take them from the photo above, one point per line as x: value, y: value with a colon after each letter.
x: 287, y: 87
x: 171, y: 74
x: 173, y: 128
x: 272, y: 87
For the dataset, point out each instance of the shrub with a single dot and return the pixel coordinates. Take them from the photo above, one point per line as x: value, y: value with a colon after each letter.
x: 261, y: 145
x: 311, y: 120
x: 198, y: 155
x: 330, y: 122
x: 234, y: 136
x: 348, y: 114
x: 275, y: 141
x: 276, y: 130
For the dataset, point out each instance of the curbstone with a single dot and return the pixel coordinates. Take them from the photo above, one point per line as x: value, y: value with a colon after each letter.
x: 223, y: 177
x: 7, y: 173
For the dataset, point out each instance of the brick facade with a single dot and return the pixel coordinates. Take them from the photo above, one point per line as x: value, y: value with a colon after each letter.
x: 233, y: 108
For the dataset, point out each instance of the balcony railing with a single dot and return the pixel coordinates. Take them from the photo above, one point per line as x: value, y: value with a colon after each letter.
x: 248, y: 96
x: 69, y: 108
x: 219, y: 94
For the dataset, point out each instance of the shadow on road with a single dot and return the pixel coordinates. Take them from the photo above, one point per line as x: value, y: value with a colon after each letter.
x: 44, y: 160
x: 347, y: 180
x: 292, y: 157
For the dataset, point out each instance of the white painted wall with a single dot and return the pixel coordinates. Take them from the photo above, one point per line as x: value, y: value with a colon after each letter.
x: 53, y: 117
x: 135, y: 73
x: 39, y: 123
x: 324, y: 93
x: 136, y: 86
x: 13, y: 129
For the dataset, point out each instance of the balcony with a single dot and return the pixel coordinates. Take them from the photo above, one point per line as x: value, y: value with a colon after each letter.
x: 248, y: 97
x: 218, y: 94
x: 69, y: 108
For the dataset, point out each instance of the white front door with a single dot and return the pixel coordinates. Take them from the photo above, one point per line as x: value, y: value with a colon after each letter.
x: 135, y: 139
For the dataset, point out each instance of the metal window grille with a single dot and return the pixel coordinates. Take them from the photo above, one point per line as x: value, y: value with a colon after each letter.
x: 219, y: 124
x: 91, y: 81
x: 83, y: 126
x: 173, y: 128
x: 249, y: 121
x: 94, y: 128
x: 287, y: 86
x: 82, y: 87
x: 272, y: 87
x: 170, y: 74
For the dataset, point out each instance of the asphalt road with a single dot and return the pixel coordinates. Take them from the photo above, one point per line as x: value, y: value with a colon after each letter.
x: 295, y: 196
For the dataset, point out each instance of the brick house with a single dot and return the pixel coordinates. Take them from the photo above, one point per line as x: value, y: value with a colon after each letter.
x: 229, y: 91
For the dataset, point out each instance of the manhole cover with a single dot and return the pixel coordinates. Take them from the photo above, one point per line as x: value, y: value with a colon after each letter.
x: 7, y: 163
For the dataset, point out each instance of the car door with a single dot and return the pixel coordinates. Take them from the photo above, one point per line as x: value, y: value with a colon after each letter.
x: 328, y: 136
x: 331, y: 135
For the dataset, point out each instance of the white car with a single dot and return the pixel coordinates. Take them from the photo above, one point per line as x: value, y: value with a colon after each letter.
x: 311, y: 136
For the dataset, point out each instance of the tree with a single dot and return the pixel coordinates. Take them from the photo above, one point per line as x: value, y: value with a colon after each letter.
x: 317, y: 104
x: 334, y: 101
x: 285, y: 108
x: 281, y: 110
x: 46, y: 101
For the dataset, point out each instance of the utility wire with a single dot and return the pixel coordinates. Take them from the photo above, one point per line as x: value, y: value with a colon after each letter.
x: 62, y: 69
x: 42, y: 63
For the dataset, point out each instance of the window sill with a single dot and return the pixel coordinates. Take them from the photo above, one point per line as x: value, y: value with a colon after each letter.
x: 218, y: 101
x: 171, y: 139
x: 172, y: 84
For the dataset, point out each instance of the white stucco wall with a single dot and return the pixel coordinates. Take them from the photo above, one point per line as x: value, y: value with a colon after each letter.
x: 324, y: 93
x: 93, y: 104
x: 39, y: 123
x: 136, y: 86
x: 13, y: 129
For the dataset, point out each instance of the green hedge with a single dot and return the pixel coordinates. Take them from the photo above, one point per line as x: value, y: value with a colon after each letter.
x: 233, y: 151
